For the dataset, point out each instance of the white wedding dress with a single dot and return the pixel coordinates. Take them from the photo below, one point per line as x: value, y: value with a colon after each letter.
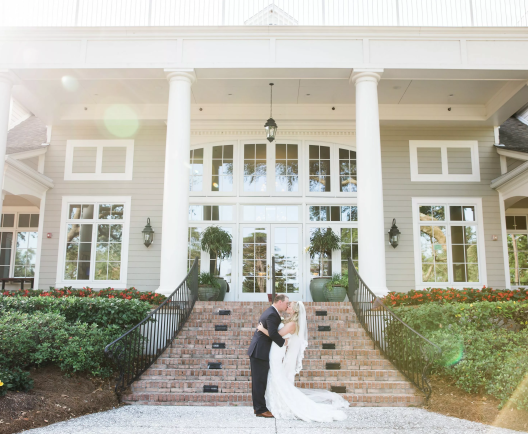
x: 283, y: 399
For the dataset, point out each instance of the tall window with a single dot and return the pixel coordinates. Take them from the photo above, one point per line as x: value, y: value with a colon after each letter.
x: 222, y: 176
x: 93, y: 241
x: 18, y: 244
x: 321, y: 264
x: 196, y: 175
x: 517, y: 249
x: 319, y: 168
x: 349, y: 248
x: 286, y: 168
x: 255, y: 167
x: 449, y: 243
x: 347, y: 171
x: 194, y: 248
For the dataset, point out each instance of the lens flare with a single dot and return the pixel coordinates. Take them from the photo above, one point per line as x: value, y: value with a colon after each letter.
x: 71, y: 84
x: 121, y: 120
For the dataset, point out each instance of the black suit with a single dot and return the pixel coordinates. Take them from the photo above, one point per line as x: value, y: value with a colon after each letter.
x: 258, y: 353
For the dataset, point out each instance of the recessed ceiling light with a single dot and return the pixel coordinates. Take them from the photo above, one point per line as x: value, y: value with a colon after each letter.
x: 397, y: 87
x: 307, y: 94
x: 451, y: 94
x: 230, y: 94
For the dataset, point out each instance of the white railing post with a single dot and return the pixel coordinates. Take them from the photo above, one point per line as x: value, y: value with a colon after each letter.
x: 323, y: 11
x: 76, y: 13
x: 149, y: 13
x: 223, y: 12
x: 471, y: 13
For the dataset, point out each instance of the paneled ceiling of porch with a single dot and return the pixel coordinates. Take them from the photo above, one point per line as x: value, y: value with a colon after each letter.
x: 249, y: 86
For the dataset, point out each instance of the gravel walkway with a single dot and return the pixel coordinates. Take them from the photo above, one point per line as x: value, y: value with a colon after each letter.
x: 240, y: 420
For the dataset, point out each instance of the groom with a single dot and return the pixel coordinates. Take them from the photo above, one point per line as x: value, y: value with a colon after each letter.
x: 259, y: 350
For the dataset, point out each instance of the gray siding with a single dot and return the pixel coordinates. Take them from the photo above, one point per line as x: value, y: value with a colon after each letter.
x: 512, y: 163
x: 146, y: 190
x: 31, y: 162
x: 399, y: 190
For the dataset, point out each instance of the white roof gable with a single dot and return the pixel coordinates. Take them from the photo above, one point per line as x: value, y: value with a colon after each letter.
x: 271, y: 15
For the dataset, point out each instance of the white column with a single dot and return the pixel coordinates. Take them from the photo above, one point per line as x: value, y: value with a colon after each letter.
x: 372, y: 235
x: 5, y: 101
x: 176, y: 183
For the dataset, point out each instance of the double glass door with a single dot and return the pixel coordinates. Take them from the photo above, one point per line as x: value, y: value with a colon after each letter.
x: 258, y: 244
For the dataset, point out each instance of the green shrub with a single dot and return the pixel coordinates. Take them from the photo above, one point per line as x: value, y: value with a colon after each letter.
x: 101, y: 311
x: 452, y: 295
x: 478, y: 352
x: 14, y: 379
x: 40, y: 338
x: 68, y: 292
x: 208, y: 279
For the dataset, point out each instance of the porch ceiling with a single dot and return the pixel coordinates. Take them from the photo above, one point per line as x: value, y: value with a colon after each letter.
x: 476, y: 96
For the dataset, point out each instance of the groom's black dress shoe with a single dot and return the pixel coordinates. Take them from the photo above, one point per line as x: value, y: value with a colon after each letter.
x: 265, y: 414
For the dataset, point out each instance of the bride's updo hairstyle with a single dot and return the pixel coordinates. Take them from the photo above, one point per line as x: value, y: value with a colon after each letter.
x: 295, y: 316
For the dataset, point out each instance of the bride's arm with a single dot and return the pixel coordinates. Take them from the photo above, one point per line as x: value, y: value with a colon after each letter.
x: 288, y: 328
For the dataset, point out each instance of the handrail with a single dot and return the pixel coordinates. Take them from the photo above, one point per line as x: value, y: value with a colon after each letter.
x: 273, y: 279
x: 136, y: 350
x: 403, y: 346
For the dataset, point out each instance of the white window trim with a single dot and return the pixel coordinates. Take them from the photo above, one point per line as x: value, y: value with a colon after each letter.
x: 334, y: 169
x: 443, y: 145
x: 16, y: 210
x: 475, y: 201
x: 242, y: 221
x: 215, y: 222
x: 513, y: 212
x: 98, y: 175
x: 96, y: 284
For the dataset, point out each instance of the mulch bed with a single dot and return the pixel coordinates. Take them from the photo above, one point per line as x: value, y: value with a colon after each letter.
x: 55, y: 398
x: 449, y: 400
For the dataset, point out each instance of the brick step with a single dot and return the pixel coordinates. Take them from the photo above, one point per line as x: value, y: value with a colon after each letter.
x: 252, y: 324
x: 316, y: 364
x: 248, y: 334
x: 351, y: 343
x: 244, y: 399
x: 362, y: 374
x: 241, y: 353
x: 239, y: 317
x: 183, y: 386
x: 250, y: 328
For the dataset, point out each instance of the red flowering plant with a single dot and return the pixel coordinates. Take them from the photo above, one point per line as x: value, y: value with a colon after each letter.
x: 87, y: 292
x: 452, y: 295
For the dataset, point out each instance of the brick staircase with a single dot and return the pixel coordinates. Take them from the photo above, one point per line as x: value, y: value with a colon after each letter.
x: 178, y: 377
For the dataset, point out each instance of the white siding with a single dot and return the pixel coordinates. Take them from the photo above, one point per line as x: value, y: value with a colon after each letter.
x: 18, y: 114
x: 398, y: 191
x: 146, y: 190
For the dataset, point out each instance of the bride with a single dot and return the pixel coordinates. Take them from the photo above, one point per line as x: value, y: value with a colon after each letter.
x: 285, y: 400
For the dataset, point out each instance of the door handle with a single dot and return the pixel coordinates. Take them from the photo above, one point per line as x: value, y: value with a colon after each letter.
x: 268, y: 272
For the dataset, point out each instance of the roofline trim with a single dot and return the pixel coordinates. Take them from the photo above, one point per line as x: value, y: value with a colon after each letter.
x: 518, y: 155
x: 26, y: 170
x: 29, y: 154
x: 503, y: 179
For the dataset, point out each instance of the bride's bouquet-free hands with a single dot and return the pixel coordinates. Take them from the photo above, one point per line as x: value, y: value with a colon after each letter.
x: 261, y: 328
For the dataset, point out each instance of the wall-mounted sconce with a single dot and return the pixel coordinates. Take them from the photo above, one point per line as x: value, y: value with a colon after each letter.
x: 148, y: 234
x: 394, y: 234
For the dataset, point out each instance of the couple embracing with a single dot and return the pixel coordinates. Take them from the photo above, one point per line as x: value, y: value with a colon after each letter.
x: 276, y: 353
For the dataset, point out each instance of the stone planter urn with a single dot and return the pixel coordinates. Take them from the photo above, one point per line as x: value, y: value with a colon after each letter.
x: 223, y: 288
x: 317, y: 288
x: 208, y: 293
x: 336, y: 294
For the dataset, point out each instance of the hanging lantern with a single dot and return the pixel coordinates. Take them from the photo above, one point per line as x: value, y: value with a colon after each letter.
x: 148, y: 234
x: 394, y: 234
x: 271, y: 125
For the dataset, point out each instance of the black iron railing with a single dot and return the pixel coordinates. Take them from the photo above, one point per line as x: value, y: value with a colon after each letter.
x: 140, y: 347
x: 273, y: 279
x: 407, y: 349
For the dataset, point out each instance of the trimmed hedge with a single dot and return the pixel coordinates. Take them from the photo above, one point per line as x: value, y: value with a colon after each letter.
x: 41, y: 338
x: 451, y: 295
x: 480, y: 350
x: 126, y: 294
x: 100, y: 311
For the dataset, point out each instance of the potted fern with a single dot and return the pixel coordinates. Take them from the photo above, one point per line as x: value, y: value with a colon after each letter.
x: 208, y: 287
x: 322, y: 242
x: 217, y: 242
x: 336, y: 288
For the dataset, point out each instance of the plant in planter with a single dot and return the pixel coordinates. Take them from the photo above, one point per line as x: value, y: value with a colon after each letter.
x: 217, y: 242
x: 336, y: 289
x: 208, y: 287
x: 322, y: 242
